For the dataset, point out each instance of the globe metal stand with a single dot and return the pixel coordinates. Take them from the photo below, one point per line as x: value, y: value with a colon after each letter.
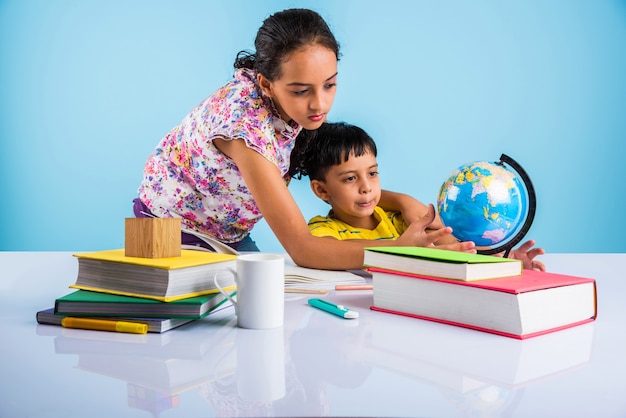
x: 532, y: 208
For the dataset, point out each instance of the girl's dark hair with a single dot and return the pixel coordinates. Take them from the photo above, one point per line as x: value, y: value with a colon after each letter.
x: 282, y: 34
x: 331, y: 144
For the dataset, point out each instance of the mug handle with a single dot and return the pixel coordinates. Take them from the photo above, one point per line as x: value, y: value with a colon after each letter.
x: 234, y: 273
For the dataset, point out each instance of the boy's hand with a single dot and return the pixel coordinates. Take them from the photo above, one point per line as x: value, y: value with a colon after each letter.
x: 465, y: 246
x: 527, y: 255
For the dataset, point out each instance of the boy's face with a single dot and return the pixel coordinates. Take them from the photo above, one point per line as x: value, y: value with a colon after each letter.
x: 352, y: 189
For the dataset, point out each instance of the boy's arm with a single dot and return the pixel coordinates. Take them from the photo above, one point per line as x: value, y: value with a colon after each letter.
x: 411, y: 210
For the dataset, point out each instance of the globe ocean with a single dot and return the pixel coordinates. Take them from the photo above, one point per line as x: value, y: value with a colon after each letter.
x: 483, y: 202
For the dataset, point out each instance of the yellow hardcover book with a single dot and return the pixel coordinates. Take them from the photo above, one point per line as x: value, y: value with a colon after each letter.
x: 165, y: 279
x: 188, y: 258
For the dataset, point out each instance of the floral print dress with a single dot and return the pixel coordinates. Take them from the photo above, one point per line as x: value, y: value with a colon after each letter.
x: 188, y: 177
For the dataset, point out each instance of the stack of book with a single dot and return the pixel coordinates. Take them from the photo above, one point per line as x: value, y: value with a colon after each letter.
x: 485, y: 293
x: 114, y: 290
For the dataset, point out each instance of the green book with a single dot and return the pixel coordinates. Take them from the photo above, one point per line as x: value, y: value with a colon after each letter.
x: 446, y: 264
x: 98, y: 304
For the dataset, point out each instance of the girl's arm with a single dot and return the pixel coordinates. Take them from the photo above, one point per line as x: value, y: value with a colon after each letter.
x: 288, y: 224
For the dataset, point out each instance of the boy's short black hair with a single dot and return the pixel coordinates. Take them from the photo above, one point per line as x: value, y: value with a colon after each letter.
x: 331, y: 144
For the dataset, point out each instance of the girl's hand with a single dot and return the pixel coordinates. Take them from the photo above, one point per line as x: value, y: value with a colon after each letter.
x: 527, y: 255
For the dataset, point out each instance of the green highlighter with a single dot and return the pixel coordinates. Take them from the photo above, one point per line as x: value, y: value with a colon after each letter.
x: 334, y: 309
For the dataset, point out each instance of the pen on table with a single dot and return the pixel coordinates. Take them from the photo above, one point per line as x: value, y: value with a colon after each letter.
x: 306, y: 290
x: 354, y: 287
x: 105, y: 325
x: 334, y: 309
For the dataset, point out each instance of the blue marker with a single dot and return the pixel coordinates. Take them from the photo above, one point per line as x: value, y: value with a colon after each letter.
x: 338, y: 310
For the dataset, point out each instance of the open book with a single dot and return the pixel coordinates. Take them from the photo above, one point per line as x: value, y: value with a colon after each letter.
x: 300, y: 277
x: 295, y: 276
x: 218, y: 246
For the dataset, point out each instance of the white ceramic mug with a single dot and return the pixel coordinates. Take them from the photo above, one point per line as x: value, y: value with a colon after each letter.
x: 260, y: 298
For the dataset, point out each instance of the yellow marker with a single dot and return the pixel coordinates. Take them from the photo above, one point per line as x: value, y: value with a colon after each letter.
x: 105, y: 325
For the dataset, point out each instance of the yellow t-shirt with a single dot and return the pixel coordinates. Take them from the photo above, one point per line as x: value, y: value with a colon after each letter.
x: 390, y: 226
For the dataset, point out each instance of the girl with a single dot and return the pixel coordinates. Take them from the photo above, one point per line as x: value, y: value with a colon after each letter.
x: 226, y: 165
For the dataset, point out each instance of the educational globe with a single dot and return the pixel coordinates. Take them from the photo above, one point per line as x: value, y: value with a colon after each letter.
x: 488, y: 203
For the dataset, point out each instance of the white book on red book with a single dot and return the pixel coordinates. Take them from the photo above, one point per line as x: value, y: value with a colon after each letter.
x: 523, y: 306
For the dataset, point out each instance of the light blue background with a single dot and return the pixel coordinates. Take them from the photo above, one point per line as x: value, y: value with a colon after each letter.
x: 87, y: 89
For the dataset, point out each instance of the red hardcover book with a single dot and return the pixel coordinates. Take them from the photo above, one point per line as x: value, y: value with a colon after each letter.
x: 524, y: 306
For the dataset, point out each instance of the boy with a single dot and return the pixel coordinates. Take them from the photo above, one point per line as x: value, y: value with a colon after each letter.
x: 343, y: 172
x: 341, y: 164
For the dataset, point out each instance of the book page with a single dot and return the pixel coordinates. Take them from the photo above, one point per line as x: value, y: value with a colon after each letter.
x: 219, y: 247
x: 294, y: 274
x: 303, y: 277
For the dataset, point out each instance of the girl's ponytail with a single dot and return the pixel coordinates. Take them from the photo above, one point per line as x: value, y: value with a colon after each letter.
x: 245, y: 59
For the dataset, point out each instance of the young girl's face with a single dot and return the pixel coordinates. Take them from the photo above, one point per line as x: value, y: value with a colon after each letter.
x: 352, y: 188
x: 306, y: 89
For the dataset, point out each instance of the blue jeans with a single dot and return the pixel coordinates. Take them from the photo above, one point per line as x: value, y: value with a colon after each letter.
x: 247, y: 244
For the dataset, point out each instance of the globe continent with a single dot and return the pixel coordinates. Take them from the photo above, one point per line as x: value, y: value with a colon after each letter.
x: 482, y: 202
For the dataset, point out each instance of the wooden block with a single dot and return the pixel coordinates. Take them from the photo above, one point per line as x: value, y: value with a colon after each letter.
x: 152, y: 237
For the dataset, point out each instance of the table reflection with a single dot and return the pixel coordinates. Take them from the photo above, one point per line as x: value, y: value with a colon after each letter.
x: 294, y: 369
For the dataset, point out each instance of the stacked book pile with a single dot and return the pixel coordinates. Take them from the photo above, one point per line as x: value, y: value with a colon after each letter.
x: 486, y: 293
x: 116, y: 292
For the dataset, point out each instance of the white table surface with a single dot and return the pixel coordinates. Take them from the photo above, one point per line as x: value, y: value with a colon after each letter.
x: 316, y: 365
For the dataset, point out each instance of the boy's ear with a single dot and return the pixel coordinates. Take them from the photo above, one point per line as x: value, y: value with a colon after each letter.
x: 319, y: 188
